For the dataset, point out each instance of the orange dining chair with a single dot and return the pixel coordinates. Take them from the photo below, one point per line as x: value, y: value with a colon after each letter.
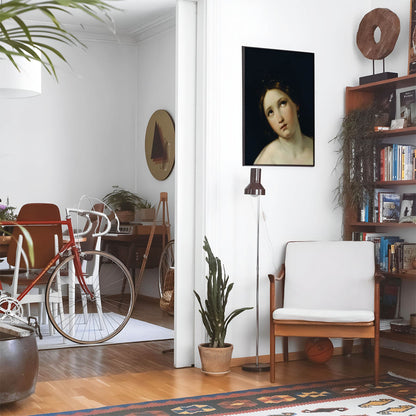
x: 46, y: 242
x: 331, y: 290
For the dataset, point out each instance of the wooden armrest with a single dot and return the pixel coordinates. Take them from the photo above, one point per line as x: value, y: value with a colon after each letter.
x: 280, y: 275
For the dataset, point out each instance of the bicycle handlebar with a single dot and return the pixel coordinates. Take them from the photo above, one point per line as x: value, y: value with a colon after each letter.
x: 87, y: 214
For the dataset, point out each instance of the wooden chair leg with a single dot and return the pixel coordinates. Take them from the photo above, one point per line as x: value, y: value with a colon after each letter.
x: 285, y: 349
x: 376, y: 359
x: 272, y: 355
x: 347, y: 344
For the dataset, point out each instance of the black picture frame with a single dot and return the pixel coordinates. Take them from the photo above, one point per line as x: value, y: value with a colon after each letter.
x: 412, y: 38
x: 260, y: 65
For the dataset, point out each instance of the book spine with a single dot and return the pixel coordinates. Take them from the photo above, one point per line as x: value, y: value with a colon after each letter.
x: 382, y: 165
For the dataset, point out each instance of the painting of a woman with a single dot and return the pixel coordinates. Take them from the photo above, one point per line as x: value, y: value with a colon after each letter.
x: 278, y: 110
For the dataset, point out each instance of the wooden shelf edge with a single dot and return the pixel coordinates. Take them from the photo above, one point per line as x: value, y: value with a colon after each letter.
x: 395, y: 183
x: 383, y: 224
x: 400, y: 275
x: 398, y: 82
x: 396, y: 132
x: 407, y: 338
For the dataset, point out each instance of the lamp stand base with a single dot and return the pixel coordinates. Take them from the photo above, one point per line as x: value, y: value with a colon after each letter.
x: 254, y: 367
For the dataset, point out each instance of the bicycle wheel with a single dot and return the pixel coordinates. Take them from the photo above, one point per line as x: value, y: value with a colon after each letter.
x: 166, y: 262
x: 83, y: 318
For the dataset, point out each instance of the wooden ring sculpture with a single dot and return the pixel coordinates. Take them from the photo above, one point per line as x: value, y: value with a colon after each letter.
x: 389, y: 25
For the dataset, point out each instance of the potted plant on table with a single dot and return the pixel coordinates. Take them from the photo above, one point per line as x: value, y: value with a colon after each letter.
x: 216, y: 354
x: 145, y: 211
x: 123, y: 202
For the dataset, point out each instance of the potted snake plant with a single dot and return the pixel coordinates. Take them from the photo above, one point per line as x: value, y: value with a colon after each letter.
x: 216, y: 354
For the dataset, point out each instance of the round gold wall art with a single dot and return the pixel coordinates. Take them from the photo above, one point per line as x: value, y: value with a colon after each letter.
x: 160, y: 144
x: 389, y: 25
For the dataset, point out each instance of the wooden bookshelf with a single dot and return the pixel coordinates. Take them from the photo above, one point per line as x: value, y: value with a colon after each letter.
x: 405, y: 275
x: 361, y: 97
x: 396, y: 336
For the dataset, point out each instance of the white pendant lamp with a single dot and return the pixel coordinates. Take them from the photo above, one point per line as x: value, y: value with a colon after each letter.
x: 22, y: 83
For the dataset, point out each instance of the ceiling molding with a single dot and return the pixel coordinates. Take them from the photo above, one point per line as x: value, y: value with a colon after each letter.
x: 133, y: 35
x: 154, y: 28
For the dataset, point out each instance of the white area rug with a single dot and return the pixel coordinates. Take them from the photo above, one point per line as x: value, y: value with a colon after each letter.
x: 134, y: 331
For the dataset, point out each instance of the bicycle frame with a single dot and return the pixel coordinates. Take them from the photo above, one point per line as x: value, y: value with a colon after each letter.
x: 70, y: 245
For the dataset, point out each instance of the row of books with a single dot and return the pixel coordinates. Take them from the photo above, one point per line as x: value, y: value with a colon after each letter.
x: 389, y: 206
x: 392, y: 253
x: 397, y: 162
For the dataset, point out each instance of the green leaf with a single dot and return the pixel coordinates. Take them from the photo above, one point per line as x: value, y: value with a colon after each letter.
x: 218, y: 290
x: 13, y: 38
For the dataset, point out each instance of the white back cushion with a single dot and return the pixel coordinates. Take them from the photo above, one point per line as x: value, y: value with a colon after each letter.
x: 335, y: 275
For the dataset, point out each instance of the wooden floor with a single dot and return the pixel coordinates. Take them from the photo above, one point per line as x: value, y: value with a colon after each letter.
x: 88, y: 377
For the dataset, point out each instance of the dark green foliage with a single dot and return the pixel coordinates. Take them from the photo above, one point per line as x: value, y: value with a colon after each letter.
x: 123, y: 200
x: 358, y: 154
x: 218, y: 289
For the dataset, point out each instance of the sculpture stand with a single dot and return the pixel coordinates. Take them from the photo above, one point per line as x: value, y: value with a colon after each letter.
x: 378, y: 77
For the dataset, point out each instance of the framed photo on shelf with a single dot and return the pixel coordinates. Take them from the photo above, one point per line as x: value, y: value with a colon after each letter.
x: 412, y: 38
x: 278, y: 107
x: 408, y: 208
x: 406, y: 105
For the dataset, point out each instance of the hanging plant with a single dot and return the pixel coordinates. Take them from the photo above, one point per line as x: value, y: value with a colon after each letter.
x: 358, y: 156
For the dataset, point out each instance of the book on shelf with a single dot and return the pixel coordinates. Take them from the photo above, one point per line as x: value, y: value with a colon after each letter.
x: 383, y: 243
x: 397, y: 162
x: 408, y: 256
x: 401, y: 255
x: 408, y: 208
x: 385, y: 252
x: 389, y: 207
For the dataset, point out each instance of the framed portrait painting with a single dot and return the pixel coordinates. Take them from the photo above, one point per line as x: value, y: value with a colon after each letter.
x: 278, y: 107
x: 412, y: 38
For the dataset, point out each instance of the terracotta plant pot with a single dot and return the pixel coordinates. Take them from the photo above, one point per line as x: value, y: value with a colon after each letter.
x: 145, y: 214
x: 125, y: 216
x: 215, y: 361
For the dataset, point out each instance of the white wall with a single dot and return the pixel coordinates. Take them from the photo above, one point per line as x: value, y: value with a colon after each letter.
x: 156, y: 91
x: 78, y: 136
x: 92, y: 121
x: 299, y: 200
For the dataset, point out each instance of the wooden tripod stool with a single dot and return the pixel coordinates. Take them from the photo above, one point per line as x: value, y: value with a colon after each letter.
x: 165, y: 233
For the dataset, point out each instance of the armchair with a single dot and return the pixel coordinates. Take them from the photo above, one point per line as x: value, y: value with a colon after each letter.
x: 330, y: 289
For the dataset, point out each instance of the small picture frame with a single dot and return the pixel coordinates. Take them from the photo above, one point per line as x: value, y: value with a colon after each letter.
x: 408, y: 208
x: 398, y: 123
x: 406, y: 105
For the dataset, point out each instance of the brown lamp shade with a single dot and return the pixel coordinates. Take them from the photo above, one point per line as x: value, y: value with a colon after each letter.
x: 255, y: 187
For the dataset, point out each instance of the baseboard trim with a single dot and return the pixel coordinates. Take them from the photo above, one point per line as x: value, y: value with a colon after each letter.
x: 404, y: 356
x: 300, y: 355
x: 293, y: 356
x: 148, y: 298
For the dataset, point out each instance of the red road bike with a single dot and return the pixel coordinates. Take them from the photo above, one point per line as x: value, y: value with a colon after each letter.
x: 89, y: 295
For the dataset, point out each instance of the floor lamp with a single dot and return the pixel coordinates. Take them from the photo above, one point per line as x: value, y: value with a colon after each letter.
x: 256, y: 189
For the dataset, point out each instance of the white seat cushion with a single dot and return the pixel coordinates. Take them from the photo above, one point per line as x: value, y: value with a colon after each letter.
x: 323, y: 315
